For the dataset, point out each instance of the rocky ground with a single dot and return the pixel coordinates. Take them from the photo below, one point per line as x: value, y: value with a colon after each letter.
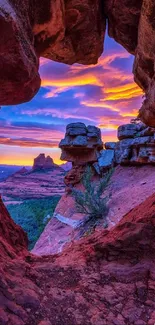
x: 128, y: 187
x: 107, y: 278
x: 35, y: 184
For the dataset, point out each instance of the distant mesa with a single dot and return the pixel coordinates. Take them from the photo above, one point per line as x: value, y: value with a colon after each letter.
x: 43, y: 163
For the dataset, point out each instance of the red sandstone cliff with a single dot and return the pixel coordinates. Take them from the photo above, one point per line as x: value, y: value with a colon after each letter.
x: 106, y: 278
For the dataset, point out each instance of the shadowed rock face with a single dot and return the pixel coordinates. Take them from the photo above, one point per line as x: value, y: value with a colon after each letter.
x: 59, y: 30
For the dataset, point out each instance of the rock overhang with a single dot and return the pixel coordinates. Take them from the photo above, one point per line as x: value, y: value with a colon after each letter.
x: 73, y: 32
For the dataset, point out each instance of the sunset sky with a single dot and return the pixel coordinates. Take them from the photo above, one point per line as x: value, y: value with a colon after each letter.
x: 104, y: 95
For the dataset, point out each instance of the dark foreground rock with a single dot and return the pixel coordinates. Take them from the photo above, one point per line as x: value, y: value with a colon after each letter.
x: 106, y: 278
x: 70, y: 32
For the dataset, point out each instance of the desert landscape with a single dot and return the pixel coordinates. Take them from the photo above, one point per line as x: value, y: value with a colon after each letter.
x: 37, y: 182
x: 77, y: 219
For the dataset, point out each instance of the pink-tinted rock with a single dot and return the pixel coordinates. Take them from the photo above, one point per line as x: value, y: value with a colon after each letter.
x: 75, y: 175
x: 38, y: 183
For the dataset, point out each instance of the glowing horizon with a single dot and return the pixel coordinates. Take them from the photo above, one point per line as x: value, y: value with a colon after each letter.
x: 104, y: 95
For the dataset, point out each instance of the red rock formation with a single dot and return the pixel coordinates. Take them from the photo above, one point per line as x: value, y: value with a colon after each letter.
x: 105, y: 279
x: 13, y: 240
x: 56, y: 30
x: 42, y: 162
x: 64, y: 32
x: 75, y: 175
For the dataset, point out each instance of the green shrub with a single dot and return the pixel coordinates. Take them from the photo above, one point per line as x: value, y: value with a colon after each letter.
x: 91, y: 201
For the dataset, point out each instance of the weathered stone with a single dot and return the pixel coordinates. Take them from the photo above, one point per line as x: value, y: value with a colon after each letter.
x: 123, y: 21
x: 81, y: 144
x: 110, y: 145
x: 93, y: 131
x: 106, y: 159
x: 127, y: 131
x: 146, y: 132
x: 75, y: 175
x: 80, y: 141
x: 75, y: 129
x: 57, y: 30
x: 139, y: 148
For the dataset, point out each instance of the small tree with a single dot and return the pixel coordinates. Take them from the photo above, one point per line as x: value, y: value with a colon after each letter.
x: 90, y: 201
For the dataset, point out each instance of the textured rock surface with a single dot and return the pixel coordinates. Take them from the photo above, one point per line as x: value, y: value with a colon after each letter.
x: 128, y: 187
x: 106, y: 278
x: 75, y: 175
x: 63, y: 31
x: 73, y: 31
x: 136, y: 145
x: 58, y: 30
x: 81, y: 144
x: 106, y: 160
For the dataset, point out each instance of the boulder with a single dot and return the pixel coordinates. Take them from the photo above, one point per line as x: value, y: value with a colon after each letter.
x: 127, y: 131
x: 139, y: 148
x: 106, y: 160
x: 110, y: 145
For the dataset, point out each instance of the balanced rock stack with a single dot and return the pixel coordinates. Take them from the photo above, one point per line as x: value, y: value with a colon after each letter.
x: 81, y: 146
x: 136, y: 145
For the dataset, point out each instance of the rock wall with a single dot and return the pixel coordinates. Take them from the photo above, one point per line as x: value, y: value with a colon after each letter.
x: 106, y: 278
x: 136, y: 145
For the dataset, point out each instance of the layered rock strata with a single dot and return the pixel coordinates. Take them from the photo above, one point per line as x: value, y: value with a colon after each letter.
x: 81, y: 144
x: 136, y: 145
